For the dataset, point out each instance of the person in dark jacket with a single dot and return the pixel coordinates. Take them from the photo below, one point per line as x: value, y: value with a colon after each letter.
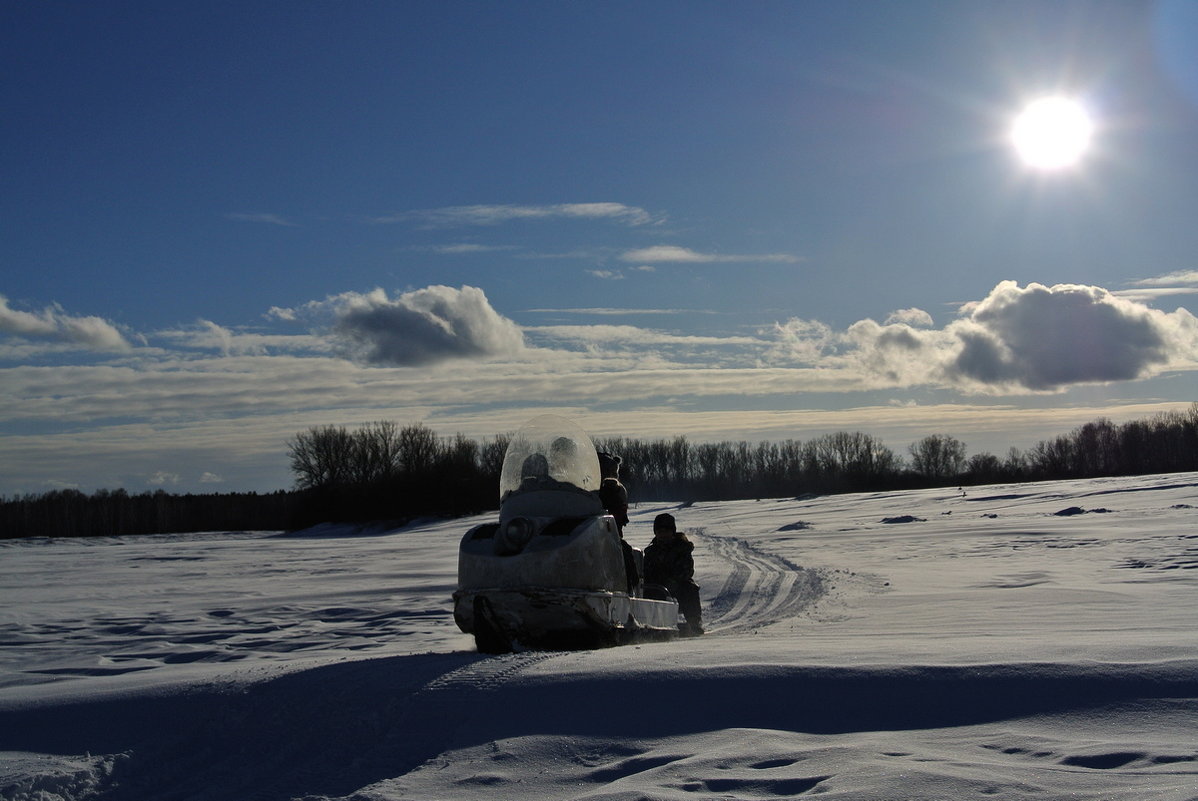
x: 669, y: 562
x: 614, y: 498
x: 611, y: 492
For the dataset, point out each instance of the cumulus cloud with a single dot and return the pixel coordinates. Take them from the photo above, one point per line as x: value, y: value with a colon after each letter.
x: 501, y: 213
x: 807, y: 342
x: 281, y: 313
x: 55, y: 325
x: 1018, y: 339
x: 897, y: 354
x: 917, y: 318
x: 1047, y: 337
x: 421, y: 327
x: 658, y: 254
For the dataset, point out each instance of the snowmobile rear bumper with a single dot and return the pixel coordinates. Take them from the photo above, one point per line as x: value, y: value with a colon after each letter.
x: 544, y: 617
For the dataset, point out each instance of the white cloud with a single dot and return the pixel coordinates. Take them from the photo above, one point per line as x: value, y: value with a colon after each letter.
x: 658, y: 254
x: 896, y: 355
x: 496, y: 214
x: 1017, y: 339
x: 465, y: 248
x: 55, y: 325
x: 607, y: 275
x: 1044, y: 338
x: 627, y: 334
x: 221, y: 338
x: 1183, y: 282
x: 917, y: 318
x: 619, y: 312
x: 207, y: 335
x: 280, y: 313
x: 1150, y: 294
x: 1170, y: 279
x: 211, y: 478
x: 804, y: 341
x: 162, y: 477
x: 270, y: 219
x: 585, y: 254
x: 231, y: 396
x: 421, y: 327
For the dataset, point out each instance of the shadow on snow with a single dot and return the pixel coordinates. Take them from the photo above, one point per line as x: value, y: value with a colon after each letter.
x: 334, y: 729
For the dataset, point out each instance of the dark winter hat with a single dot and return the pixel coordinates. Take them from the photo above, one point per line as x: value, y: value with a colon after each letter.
x: 609, y: 465
x: 665, y: 520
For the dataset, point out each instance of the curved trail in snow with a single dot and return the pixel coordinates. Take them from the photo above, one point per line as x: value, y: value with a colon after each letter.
x: 760, y: 589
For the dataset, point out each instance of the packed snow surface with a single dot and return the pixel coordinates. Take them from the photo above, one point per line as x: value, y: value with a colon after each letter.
x: 1033, y: 641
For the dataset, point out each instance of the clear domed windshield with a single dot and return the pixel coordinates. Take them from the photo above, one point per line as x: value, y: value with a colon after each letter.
x: 549, y: 451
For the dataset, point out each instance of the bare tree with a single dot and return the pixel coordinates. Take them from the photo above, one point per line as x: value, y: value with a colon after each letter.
x: 418, y: 448
x: 983, y: 467
x: 1015, y: 465
x: 376, y: 452
x: 321, y: 456
x: 938, y: 456
x: 851, y: 458
x: 490, y: 456
x: 459, y: 457
x: 1052, y: 458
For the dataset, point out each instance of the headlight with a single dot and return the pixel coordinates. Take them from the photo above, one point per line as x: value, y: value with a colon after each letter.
x: 514, y: 535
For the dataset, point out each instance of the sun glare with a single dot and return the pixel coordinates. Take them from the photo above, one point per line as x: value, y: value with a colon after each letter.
x: 1052, y: 133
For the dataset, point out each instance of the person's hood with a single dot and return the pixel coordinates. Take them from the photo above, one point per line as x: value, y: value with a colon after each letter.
x: 680, y: 543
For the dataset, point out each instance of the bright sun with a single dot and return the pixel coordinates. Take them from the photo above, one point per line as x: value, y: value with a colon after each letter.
x: 1052, y: 133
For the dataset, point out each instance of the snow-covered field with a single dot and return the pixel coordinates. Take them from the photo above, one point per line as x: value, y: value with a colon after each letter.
x: 977, y: 645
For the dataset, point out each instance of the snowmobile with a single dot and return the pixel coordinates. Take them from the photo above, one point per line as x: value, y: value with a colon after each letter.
x: 551, y: 573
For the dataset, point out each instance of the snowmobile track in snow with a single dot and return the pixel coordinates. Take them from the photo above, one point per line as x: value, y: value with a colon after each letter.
x: 489, y: 673
x: 760, y: 589
x: 426, y: 722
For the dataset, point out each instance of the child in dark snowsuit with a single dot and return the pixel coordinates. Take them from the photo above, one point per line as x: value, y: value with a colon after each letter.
x: 668, y: 562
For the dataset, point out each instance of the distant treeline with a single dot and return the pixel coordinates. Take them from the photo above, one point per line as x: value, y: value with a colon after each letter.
x: 384, y: 472
x: 850, y: 462
x: 71, y: 513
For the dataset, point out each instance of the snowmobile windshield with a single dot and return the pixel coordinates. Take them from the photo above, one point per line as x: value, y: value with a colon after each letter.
x: 549, y: 452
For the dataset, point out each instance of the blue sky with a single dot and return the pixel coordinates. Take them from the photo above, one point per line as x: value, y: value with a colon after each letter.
x: 226, y: 222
